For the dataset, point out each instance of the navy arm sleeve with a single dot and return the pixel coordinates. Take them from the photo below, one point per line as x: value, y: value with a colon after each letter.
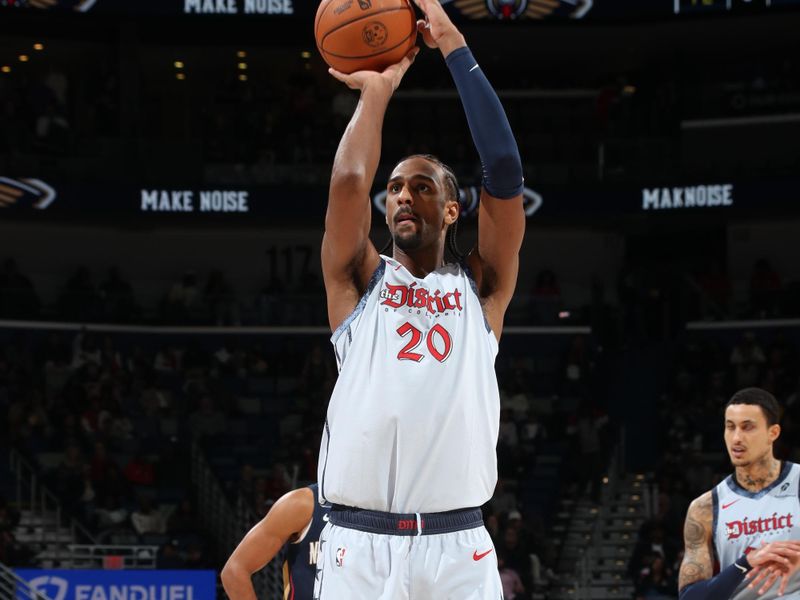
x: 491, y: 131
x: 719, y: 587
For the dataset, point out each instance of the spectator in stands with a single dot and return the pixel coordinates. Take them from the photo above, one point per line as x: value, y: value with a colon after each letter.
x: 747, y: 360
x: 146, y: 519
x: 85, y: 350
x: 656, y: 581
x: 653, y: 542
x: 576, y: 369
x: 183, y: 520
x: 512, y: 584
x: 508, y: 435
x: 111, y: 514
x: 140, y: 471
x: 531, y: 433
x: 182, y: 303
x: 765, y: 290
x: 52, y: 130
x: 514, y: 553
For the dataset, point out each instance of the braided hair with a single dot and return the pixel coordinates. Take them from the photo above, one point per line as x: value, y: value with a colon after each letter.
x: 451, y: 183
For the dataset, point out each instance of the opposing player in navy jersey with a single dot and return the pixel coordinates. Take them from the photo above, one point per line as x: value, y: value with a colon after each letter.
x: 750, y: 522
x: 294, y: 521
x: 408, y: 448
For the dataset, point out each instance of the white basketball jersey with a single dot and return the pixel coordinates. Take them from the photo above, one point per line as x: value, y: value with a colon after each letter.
x: 413, y: 420
x: 743, y: 520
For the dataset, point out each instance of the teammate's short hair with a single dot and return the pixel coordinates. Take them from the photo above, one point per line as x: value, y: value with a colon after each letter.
x: 756, y: 396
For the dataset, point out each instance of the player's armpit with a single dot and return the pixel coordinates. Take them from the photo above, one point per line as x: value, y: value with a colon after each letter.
x: 495, y: 265
x: 697, y: 561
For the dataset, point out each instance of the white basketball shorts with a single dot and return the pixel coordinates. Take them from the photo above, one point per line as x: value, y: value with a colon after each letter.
x: 369, y: 555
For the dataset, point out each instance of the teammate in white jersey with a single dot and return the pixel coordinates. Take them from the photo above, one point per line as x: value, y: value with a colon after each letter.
x: 750, y: 522
x: 408, y: 449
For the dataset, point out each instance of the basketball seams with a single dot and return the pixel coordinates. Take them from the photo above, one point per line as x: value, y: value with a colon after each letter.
x: 404, y: 40
x: 321, y: 43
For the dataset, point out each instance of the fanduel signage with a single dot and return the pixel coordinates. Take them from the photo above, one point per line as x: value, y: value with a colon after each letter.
x: 120, y: 585
x: 697, y: 196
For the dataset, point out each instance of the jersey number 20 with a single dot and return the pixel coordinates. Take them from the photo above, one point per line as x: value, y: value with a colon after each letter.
x: 437, y: 336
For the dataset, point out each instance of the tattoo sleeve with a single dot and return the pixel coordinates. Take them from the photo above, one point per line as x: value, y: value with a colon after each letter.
x: 697, y: 563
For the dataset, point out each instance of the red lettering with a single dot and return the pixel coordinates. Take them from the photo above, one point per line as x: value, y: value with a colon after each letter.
x: 439, y: 304
x: 394, y: 290
x: 447, y: 303
x: 457, y: 294
x: 421, y: 298
x: 735, y: 529
x: 789, y: 520
x: 410, y: 301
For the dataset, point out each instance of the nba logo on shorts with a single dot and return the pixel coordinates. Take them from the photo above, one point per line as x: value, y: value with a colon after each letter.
x: 340, y: 557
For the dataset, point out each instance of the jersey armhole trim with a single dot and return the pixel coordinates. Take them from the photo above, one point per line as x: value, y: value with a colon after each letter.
x: 474, y: 286
x: 305, y: 531
x: 373, y: 281
x: 715, y: 519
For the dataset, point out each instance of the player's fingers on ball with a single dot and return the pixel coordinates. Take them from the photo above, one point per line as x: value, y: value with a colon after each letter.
x: 10, y: 191
x: 338, y: 75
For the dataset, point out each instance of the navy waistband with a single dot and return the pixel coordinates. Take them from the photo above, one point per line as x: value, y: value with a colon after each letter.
x: 373, y: 521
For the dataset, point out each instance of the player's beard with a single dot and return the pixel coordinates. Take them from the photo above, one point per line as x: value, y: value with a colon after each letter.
x: 408, y: 241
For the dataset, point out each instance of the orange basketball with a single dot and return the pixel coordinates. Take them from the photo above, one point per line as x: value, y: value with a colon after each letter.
x: 364, y: 35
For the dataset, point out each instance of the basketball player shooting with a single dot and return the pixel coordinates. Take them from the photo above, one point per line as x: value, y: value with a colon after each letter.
x: 408, y: 448
x: 749, y: 521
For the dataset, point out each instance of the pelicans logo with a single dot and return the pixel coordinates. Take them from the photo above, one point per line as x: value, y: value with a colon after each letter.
x: 522, y: 9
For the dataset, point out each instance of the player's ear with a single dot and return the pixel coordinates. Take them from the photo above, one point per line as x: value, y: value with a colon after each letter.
x: 774, y: 432
x: 452, y: 209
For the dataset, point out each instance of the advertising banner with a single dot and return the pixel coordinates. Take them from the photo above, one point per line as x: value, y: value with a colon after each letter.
x: 120, y: 585
x: 32, y: 198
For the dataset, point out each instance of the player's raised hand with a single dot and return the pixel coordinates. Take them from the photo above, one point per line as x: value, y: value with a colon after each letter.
x: 9, y: 195
x: 392, y: 74
x: 437, y: 29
